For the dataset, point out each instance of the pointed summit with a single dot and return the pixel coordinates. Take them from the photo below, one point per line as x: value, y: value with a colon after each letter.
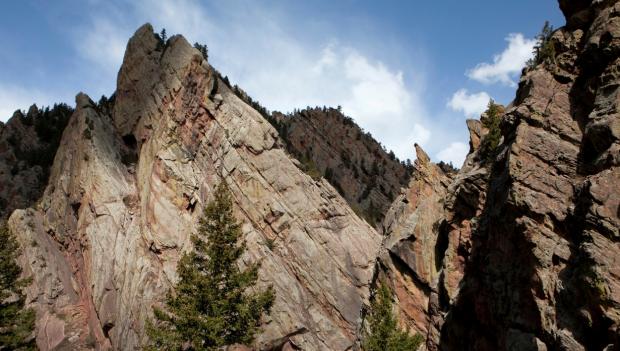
x: 152, y: 70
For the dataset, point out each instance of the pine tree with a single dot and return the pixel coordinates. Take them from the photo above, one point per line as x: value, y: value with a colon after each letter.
x: 383, y: 333
x: 16, y: 322
x: 490, y: 142
x: 544, y: 50
x: 210, y: 306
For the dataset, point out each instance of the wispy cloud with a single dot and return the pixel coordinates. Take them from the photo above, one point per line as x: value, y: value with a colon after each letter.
x: 14, y: 98
x: 255, y: 48
x: 503, y: 70
x: 472, y: 105
x: 103, y: 45
x: 507, y: 64
x: 454, y: 153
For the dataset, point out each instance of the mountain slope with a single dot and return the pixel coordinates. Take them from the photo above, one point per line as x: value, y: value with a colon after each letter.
x: 330, y: 144
x: 28, y: 143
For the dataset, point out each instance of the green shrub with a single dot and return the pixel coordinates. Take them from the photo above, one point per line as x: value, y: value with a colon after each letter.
x: 270, y: 243
x: 16, y: 321
x: 205, y: 52
x: 383, y: 333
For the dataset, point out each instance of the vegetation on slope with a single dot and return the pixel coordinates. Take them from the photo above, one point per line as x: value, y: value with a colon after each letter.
x: 383, y: 333
x: 544, y: 50
x: 49, y: 125
x: 329, y: 143
x: 16, y: 321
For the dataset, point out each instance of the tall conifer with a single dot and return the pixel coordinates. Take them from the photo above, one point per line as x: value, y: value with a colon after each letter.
x: 213, y: 303
x: 383, y: 333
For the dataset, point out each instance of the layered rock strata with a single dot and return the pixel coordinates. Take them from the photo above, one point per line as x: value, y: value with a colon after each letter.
x: 126, y: 191
x: 529, y: 238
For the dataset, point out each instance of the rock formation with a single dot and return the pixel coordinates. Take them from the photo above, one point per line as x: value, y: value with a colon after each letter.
x: 529, y: 241
x: 409, y: 259
x: 126, y: 190
x: 518, y: 250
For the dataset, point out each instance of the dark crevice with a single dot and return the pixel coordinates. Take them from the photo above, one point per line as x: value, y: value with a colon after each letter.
x: 106, y: 329
x: 76, y: 208
x: 130, y: 141
x: 404, y: 268
x: 443, y: 240
x: 129, y: 153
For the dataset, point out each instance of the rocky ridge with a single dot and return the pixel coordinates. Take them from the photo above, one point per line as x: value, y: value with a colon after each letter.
x: 514, y: 252
x: 126, y: 190
x: 528, y: 241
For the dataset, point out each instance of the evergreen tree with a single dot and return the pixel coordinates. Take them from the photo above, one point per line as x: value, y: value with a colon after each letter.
x: 544, y: 50
x: 383, y: 333
x: 205, y: 53
x: 162, y: 39
x: 210, y: 305
x: 16, y: 322
x: 490, y: 142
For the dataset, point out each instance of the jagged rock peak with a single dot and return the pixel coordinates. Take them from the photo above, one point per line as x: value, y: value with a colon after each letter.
x: 82, y: 101
x: 148, y: 77
x: 476, y: 132
x: 126, y: 192
x: 421, y: 155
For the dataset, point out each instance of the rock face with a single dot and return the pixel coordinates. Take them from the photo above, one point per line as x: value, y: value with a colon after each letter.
x: 428, y: 239
x: 126, y: 191
x: 409, y: 260
x: 330, y: 144
x: 518, y: 250
x: 528, y: 241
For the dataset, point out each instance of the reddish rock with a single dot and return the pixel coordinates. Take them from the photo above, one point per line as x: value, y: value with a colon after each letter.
x: 127, y: 189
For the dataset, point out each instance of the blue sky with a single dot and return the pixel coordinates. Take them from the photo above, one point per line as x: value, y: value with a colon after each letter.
x: 407, y: 71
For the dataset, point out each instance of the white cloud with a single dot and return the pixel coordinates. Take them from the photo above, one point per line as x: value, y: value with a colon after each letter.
x: 255, y: 47
x: 104, y: 45
x: 507, y: 64
x: 455, y: 153
x: 14, y: 98
x: 472, y: 105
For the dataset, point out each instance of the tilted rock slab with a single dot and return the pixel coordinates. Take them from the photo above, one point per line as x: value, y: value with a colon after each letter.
x: 408, y: 261
x: 127, y: 190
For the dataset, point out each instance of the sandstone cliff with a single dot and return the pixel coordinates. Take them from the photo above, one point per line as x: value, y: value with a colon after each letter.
x: 125, y: 192
x: 519, y: 250
x: 526, y: 244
